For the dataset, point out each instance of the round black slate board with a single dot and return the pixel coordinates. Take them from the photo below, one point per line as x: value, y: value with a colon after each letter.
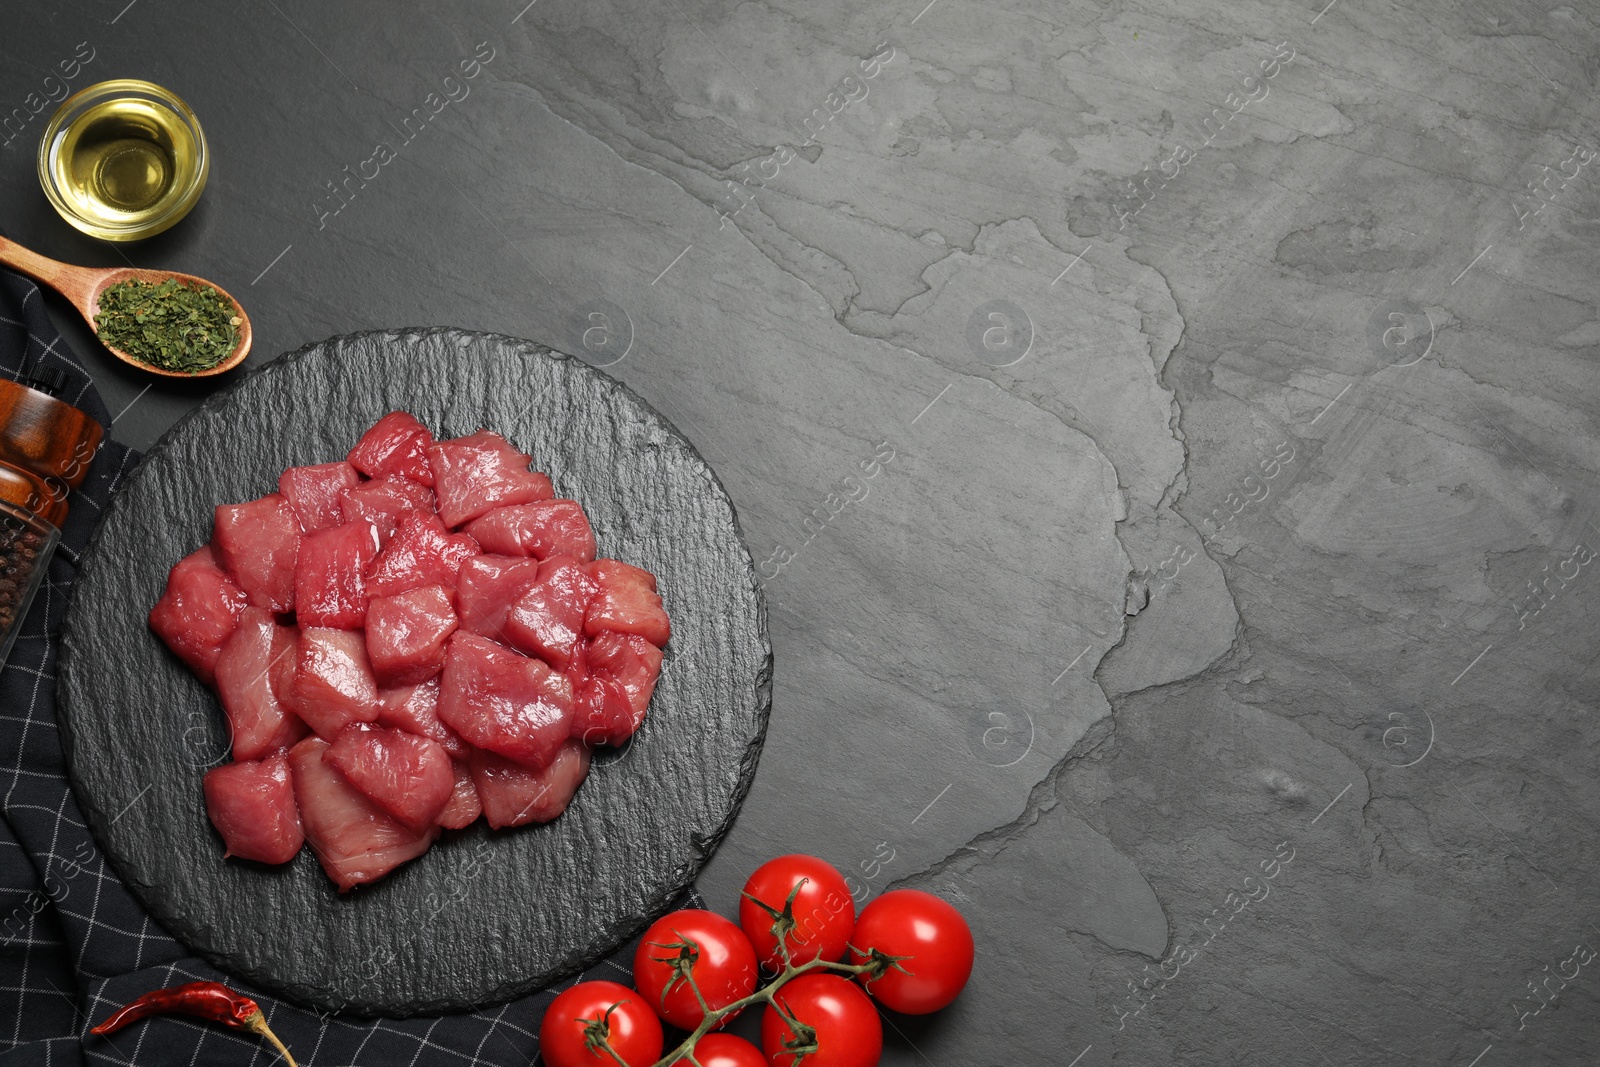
x: 483, y: 916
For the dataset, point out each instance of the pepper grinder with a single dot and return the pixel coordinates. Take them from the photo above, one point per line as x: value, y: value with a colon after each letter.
x: 46, y: 446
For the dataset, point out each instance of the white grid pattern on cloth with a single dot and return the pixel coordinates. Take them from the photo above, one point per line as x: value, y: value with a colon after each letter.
x: 96, y: 948
x: 492, y: 1037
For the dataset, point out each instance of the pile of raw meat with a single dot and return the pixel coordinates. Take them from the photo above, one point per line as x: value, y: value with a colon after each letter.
x: 402, y: 641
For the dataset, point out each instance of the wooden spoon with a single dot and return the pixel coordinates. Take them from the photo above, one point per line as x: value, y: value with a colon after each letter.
x: 82, y: 286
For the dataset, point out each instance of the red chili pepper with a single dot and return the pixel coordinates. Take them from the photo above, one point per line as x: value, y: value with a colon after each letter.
x: 203, y: 1000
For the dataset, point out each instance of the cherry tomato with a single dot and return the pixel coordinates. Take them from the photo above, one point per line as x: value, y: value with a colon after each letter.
x: 716, y: 952
x: 725, y: 1050
x: 590, y: 1010
x: 846, y: 1026
x: 934, y: 937
x: 824, y: 914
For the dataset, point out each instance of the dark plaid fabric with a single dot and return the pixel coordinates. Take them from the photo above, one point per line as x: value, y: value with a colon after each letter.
x: 74, y: 943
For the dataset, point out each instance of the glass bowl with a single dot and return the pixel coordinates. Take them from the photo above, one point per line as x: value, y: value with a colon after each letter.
x: 123, y: 159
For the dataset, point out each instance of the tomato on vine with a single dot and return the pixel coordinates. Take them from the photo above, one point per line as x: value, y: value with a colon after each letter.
x: 725, y: 1050
x: 925, y: 944
x: 821, y: 1020
x: 584, y: 1020
x: 697, y: 970
x: 805, y: 901
x: 700, y: 945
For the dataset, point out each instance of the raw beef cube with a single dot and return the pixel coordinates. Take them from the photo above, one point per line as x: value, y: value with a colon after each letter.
x: 486, y: 588
x: 198, y: 612
x: 503, y: 701
x: 252, y: 806
x: 627, y: 603
x: 547, y: 620
x: 629, y: 660
x: 602, y: 714
x: 258, y: 543
x: 577, y: 668
x: 260, y: 722
x: 548, y: 528
x: 464, y: 806
x: 415, y: 709
x: 333, y: 683
x: 406, y: 634
x: 512, y: 794
x: 286, y: 668
x: 421, y: 552
x: 611, y: 702
x: 313, y: 492
x: 330, y: 580
x: 481, y: 471
x: 355, y: 840
x: 383, y: 502
x: 408, y: 776
x: 395, y: 447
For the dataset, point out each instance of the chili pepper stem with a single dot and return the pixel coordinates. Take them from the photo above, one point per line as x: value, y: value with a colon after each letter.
x: 257, y: 1024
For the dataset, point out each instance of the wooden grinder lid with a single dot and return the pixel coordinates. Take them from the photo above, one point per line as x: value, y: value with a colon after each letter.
x: 46, y: 446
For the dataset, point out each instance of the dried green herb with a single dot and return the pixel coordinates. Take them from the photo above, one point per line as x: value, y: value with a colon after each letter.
x: 168, y: 324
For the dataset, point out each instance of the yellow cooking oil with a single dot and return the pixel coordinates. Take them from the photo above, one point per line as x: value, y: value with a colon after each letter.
x: 119, y: 162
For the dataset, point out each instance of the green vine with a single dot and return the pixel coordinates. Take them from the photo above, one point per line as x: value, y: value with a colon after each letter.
x: 684, y: 953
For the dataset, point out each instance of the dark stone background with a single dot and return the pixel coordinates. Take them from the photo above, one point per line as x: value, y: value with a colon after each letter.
x: 1216, y: 542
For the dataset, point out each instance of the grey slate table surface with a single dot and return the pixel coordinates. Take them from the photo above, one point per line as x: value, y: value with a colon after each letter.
x: 1168, y: 432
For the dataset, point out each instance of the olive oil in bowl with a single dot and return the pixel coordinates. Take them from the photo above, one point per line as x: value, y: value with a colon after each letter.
x: 123, y: 160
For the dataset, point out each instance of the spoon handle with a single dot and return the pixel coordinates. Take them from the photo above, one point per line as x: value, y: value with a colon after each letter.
x: 77, y: 284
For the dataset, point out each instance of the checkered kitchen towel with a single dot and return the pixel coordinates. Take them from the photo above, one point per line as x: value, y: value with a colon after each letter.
x: 74, y: 943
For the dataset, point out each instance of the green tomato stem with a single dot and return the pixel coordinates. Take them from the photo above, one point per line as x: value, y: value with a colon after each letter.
x: 684, y: 1053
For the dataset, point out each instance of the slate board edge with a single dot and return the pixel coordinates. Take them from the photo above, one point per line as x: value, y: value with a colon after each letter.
x: 580, y: 962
